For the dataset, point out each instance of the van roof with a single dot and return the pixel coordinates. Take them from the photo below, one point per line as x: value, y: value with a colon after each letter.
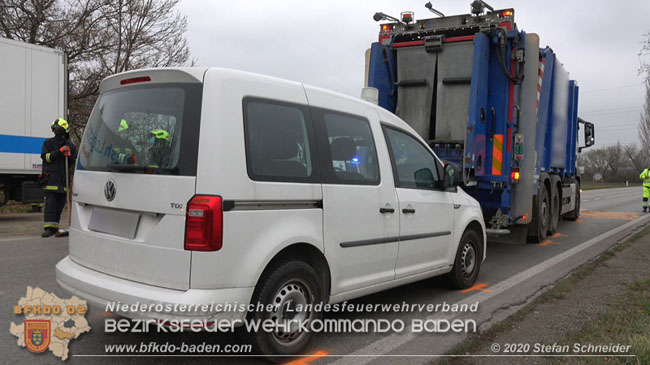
x: 161, y: 74
x: 197, y: 75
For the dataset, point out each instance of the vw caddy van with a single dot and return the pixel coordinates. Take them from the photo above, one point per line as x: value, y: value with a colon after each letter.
x: 207, y: 186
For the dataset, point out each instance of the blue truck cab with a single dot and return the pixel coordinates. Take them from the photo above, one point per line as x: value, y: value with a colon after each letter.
x: 493, y: 103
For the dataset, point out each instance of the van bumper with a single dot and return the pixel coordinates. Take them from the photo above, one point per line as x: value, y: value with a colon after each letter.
x: 159, y: 303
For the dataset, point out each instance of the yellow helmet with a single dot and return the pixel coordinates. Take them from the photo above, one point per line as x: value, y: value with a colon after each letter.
x: 61, y: 123
x: 160, y: 134
x: 123, y: 126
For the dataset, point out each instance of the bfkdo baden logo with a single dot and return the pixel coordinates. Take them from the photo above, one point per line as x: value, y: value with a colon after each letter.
x: 50, y: 322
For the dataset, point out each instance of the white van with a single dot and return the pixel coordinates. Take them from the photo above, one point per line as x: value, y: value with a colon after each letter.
x: 267, y: 191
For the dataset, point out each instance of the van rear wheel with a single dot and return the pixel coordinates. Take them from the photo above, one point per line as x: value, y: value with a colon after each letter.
x: 288, y: 291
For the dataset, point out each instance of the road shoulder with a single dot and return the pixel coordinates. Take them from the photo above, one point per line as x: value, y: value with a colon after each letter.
x: 603, y: 302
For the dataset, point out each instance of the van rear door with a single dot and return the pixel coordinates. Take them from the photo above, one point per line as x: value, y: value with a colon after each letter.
x: 135, y: 174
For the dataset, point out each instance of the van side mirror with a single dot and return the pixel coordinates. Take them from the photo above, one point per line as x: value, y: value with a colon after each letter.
x: 424, y: 179
x: 590, y: 134
x: 451, y: 177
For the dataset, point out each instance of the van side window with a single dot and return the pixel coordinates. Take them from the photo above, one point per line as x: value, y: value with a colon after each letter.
x: 279, y: 144
x: 414, y: 166
x: 346, y: 148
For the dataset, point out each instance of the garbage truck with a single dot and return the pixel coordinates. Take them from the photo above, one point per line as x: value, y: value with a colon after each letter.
x: 493, y: 103
x: 33, y: 94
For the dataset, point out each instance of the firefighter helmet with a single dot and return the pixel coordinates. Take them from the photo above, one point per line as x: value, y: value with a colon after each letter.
x: 160, y: 134
x: 61, y: 123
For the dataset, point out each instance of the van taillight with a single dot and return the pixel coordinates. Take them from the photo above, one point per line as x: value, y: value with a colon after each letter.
x: 204, y: 223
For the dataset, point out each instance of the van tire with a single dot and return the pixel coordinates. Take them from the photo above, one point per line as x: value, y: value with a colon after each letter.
x: 287, y: 282
x: 467, y: 263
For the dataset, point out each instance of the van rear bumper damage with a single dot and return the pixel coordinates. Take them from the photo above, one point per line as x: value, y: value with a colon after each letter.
x: 103, y: 290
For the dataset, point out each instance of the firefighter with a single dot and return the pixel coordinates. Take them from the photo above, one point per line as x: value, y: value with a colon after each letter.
x: 54, y: 153
x: 127, y: 157
x: 645, y: 176
x: 160, y: 148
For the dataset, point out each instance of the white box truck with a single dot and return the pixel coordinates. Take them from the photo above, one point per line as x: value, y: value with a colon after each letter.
x: 33, y: 92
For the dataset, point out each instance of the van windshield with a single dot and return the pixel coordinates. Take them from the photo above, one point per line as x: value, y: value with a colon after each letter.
x: 144, y: 129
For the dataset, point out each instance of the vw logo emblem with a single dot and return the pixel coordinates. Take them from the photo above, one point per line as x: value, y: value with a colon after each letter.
x: 109, y: 190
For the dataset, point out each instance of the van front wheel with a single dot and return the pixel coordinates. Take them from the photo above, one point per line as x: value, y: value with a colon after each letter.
x: 467, y: 263
x: 289, y: 292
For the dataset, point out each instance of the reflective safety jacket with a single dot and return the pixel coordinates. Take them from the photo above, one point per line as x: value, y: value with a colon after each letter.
x: 645, y: 176
x: 54, y: 163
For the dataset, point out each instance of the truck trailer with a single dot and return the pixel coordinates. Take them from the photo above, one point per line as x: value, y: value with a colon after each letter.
x: 32, y: 96
x: 489, y: 100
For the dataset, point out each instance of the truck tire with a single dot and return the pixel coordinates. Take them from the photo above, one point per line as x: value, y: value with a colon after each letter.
x: 554, y: 214
x: 539, y: 225
x: 467, y: 263
x: 575, y: 214
x: 285, y: 285
x: 4, y: 195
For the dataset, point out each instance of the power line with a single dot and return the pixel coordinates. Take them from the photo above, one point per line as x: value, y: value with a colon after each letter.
x: 611, y: 88
x: 614, y: 108
x: 635, y: 110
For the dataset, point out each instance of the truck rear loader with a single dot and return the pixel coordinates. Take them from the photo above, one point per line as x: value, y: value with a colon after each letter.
x: 489, y: 100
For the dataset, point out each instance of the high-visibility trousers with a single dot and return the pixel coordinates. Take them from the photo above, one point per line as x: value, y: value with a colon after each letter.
x: 646, y: 195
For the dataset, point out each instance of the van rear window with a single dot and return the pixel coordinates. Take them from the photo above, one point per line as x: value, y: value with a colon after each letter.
x: 144, y: 129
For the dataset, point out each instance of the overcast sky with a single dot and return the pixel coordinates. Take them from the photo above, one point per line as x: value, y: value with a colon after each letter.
x: 322, y: 43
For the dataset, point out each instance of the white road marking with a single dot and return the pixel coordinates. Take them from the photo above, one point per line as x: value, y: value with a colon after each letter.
x: 389, y: 343
x: 613, y: 196
x: 22, y: 238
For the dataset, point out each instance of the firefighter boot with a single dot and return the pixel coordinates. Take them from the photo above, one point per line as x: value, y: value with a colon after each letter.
x: 49, y: 231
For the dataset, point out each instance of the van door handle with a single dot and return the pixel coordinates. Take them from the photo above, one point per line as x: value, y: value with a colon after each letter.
x: 408, y: 210
x: 386, y: 210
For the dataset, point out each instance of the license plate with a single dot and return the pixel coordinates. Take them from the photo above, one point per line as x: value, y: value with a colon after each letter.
x: 115, y: 222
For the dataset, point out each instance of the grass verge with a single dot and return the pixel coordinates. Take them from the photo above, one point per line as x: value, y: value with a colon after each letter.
x: 14, y: 207
x: 630, y: 324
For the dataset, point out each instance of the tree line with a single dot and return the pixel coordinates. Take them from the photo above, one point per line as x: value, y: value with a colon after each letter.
x: 100, y: 38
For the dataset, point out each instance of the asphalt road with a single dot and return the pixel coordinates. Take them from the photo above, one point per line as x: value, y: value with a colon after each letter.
x: 511, y: 276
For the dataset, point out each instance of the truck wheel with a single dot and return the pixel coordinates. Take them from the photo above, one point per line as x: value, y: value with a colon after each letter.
x: 554, y: 214
x: 283, y: 288
x: 4, y: 196
x: 575, y: 214
x: 538, y: 227
x: 467, y: 263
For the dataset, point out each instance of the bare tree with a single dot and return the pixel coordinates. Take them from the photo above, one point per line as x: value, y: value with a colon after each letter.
x: 100, y: 37
x: 644, y: 121
x: 614, y: 158
x: 644, y: 67
x: 638, y: 157
x: 595, y: 161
